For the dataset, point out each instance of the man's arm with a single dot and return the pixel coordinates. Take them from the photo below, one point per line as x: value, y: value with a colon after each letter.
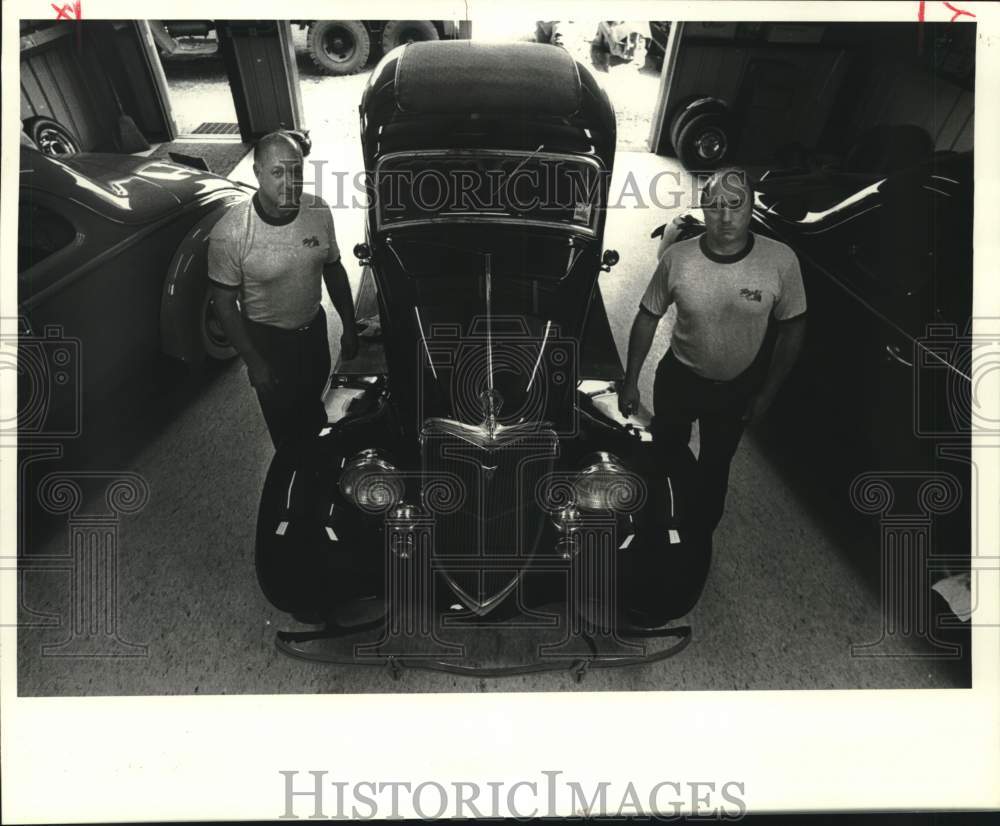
x: 640, y: 339
x: 339, y: 288
x: 787, y: 347
x: 224, y: 299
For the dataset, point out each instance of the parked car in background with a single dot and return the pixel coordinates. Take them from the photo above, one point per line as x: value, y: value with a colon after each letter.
x: 476, y: 451
x: 337, y: 47
x: 111, y: 255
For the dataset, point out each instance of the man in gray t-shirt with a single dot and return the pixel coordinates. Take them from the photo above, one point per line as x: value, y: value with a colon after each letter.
x: 728, y: 285
x: 273, y: 253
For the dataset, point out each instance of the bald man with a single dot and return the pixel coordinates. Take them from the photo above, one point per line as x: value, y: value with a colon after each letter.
x: 267, y: 260
x: 729, y: 286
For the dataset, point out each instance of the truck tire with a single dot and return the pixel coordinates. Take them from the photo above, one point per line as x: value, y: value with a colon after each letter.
x: 339, y: 47
x: 398, y: 32
x: 706, y: 141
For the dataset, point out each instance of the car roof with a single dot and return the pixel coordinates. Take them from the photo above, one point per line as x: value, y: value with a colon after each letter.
x: 127, y: 189
x: 444, y: 94
x: 460, y: 75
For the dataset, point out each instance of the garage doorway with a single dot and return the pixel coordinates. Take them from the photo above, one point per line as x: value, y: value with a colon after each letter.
x: 626, y: 58
x: 200, y: 97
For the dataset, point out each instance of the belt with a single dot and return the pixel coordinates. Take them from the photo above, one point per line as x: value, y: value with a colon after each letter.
x: 748, y: 374
x: 305, y: 328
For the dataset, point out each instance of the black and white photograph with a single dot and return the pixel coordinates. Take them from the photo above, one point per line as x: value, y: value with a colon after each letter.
x: 496, y: 355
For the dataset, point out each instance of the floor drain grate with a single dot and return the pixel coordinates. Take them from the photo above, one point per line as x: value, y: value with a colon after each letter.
x: 217, y: 129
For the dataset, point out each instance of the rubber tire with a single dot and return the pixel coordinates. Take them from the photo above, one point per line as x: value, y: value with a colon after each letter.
x: 318, y: 33
x: 398, y: 32
x: 694, y: 107
x: 51, y: 137
x: 687, y: 143
x: 217, y: 346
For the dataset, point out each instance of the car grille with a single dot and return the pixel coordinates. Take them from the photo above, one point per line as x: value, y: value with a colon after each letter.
x: 482, y: 545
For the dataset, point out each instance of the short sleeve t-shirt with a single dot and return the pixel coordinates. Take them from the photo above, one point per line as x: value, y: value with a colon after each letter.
x: 276, y: 265
x: 724, y: 303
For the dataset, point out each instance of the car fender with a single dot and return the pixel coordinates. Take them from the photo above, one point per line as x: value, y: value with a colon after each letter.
x: 681, y: 228
x: 184, y: 290
x: 630, y: 438
x: 312, y: 548
x: 662, y: 560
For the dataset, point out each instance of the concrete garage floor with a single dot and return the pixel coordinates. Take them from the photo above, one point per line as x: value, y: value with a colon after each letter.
x: 792, y: 584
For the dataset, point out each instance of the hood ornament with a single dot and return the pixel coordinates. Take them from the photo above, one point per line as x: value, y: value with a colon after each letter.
x: 490, y: 402
x: 489, y: 399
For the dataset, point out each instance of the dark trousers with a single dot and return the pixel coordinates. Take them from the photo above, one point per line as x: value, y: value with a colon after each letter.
x: 680, y: 396
x: 300, y: 364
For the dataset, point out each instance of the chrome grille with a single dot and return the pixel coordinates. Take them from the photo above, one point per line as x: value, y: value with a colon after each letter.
x: 482, y: 546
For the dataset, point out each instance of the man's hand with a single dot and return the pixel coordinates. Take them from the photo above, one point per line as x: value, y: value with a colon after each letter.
x: 261, y: 376
x: 348, y: 345
x: 757, y: 408
x: 628, y: 398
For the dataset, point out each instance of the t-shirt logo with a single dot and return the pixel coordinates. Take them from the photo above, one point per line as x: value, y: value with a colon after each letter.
x: 750, y: 295
x: 314, y: 242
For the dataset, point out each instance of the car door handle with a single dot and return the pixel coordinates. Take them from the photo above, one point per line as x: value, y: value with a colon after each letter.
x: 894, y: 353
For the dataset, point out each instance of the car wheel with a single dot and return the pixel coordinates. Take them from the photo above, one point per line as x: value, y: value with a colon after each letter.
x: 689, y: 110
x: 398, y: 32
x: 51, y: 137
x: 339, y: 47
x: 213, y: 337
x: 706, y: 141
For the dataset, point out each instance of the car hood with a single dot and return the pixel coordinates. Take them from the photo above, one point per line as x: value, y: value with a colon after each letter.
x: 124, y: 188
x: 473, y: 306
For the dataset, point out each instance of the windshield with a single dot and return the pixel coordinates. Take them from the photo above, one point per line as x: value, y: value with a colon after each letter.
x: 514, y: 254
x: 532, y: 188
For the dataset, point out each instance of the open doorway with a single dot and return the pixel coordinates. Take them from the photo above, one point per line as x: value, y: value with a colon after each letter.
x: 201, y: 100
x: 626, y: 57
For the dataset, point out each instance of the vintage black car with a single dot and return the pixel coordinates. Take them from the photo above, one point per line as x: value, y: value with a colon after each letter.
x: 111, y: 268
x: 475, y: 464
x: 888, y: 262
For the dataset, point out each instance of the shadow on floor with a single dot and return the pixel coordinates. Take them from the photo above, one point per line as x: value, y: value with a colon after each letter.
x: 818, y: 458
x: 115, y: 429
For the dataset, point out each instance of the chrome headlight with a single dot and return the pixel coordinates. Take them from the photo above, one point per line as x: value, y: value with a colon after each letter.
x: 604, y: 484
x: 371, y: 482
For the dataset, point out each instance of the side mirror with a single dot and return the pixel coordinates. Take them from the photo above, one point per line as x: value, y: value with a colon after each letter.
x: 609, y: 259
x: 363, y: 253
